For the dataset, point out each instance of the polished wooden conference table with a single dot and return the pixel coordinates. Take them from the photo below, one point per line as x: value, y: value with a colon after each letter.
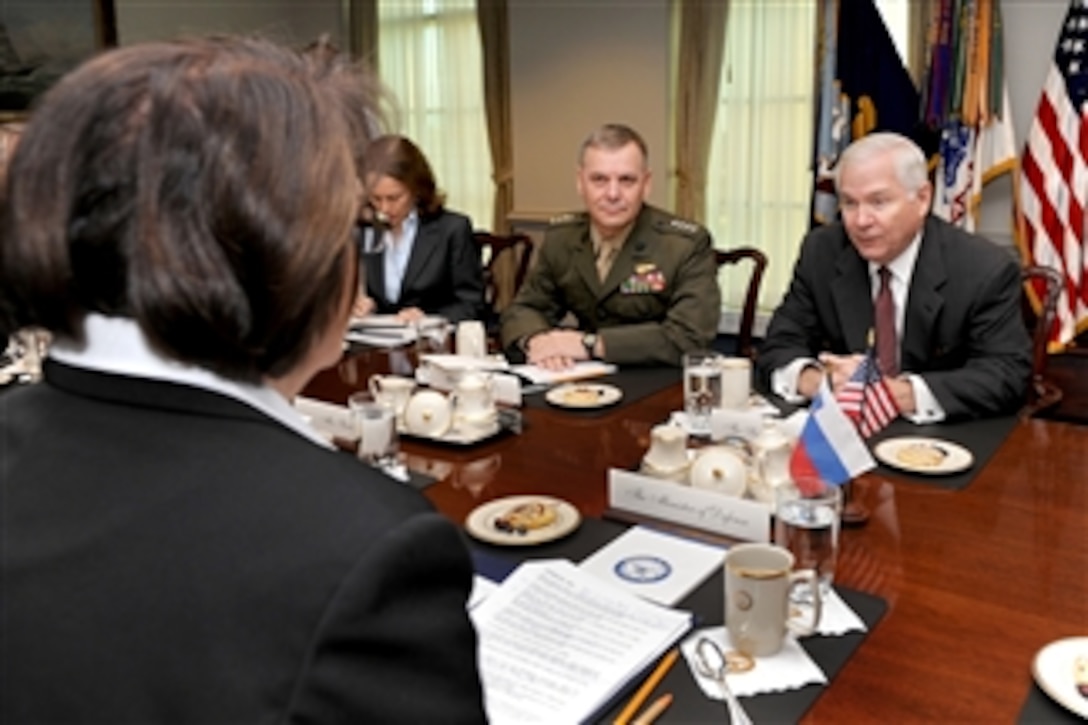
x: 976, y: 580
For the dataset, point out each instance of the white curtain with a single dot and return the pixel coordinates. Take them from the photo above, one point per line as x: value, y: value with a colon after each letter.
x: 430, y: 58
x: 759, y: 181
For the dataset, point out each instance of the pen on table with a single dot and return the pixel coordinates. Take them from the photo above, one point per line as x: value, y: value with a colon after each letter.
x: 647, y: 687
x: 654, y: 710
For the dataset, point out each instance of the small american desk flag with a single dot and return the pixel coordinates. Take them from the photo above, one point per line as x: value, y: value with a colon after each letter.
x: 866, y: 400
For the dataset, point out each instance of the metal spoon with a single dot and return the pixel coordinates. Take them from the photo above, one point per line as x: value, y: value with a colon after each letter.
x: 710, y: 662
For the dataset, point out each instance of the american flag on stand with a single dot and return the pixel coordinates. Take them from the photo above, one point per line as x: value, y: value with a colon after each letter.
x: 866, y: 400
x: 1054, y: 183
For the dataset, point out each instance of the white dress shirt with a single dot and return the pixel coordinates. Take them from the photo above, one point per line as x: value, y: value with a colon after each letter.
x: 117, y: 345
x: 398, y: 250
x: 927, y: 409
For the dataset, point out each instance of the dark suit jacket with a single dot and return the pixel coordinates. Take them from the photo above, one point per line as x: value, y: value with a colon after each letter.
x: 963, y: 329
x: 660, y: 299
x: 171, y: 554
x: 444, y: 275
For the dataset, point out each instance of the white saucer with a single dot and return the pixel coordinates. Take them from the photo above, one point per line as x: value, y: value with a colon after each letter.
x: 949, y: 457
x: 1054, y: 669
x: 583, y: 395
x: 481, y: 521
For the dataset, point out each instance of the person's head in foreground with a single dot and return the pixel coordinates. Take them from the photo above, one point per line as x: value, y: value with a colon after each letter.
x: 203, y: 188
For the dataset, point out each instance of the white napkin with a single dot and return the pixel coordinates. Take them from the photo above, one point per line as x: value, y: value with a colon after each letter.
x: 837, y: 618
x: 789, y: 669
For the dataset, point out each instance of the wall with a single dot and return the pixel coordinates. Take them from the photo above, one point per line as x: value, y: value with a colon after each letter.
x: 574, y: 66
x: 295, y: 22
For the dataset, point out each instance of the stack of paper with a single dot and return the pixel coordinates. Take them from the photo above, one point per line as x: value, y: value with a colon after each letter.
x: 578, y: 371
x: 557, y: 644
x: 385, y: 330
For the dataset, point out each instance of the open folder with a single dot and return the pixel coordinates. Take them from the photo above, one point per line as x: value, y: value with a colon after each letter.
x: 557, y: 643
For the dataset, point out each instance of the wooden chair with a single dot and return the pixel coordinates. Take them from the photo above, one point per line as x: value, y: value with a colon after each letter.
x: 1039, y: 302
x: 751, y: 298
x: 505, y: 261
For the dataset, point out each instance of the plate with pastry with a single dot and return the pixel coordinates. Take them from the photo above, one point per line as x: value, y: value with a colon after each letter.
x: 522, y: 520
x: 931, y: 456
x: 1061, y: 669
x: 583, y: 395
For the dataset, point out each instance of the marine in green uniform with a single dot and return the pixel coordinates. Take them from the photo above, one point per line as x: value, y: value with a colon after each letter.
x: 640, y: 283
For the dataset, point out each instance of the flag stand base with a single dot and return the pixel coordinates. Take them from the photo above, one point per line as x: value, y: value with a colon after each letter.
x: 854, y: 512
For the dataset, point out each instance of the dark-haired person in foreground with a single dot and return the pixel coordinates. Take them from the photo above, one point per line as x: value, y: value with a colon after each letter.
x: 178, y: 544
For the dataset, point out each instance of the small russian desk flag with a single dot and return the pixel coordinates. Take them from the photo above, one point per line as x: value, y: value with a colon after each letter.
x: 830, y: 450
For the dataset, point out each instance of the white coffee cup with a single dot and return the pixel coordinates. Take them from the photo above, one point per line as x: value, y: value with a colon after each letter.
x: 473, y: 402
x: 392, y: 391
x: 471, y: 339
x: 667, y: 457
x: 736, y: 382
x: 758, y: 582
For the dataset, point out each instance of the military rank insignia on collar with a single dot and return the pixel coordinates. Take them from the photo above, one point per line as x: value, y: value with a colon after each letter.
x: 646, y: 279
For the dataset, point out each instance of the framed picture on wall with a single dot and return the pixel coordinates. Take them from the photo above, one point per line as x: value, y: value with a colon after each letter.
x: 42, y: 40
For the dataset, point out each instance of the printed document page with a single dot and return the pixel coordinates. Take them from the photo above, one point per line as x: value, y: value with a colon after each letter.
x: 579, y: 371
x: 556, y: 643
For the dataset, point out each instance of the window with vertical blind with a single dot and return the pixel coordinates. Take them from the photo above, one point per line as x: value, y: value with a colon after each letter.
x: 430, y: 59
x: 759, y: 181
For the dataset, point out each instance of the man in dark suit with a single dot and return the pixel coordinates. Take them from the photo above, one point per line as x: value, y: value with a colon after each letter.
x: 178, y: 544
x: 959, y: 347
x: 641, y: 283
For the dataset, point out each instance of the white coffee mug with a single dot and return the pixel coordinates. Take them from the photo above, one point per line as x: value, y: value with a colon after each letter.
x: 758, y: 582
x: 736, y: 382
x: 392, y: 391
x: 471, y: 339
x: 473, y: 402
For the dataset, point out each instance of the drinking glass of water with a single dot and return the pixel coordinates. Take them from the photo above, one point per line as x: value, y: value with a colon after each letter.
x: 376, y: 427
x: 702, y: 389
x: 808, y: 525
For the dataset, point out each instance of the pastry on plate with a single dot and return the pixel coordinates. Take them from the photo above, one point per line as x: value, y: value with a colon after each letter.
x: 525, y: 517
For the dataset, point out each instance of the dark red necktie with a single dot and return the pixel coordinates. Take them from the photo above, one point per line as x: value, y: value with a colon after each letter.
x: 887, y: 343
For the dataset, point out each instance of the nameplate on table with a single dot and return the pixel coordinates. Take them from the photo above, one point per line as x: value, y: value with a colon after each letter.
x: 698, y: 508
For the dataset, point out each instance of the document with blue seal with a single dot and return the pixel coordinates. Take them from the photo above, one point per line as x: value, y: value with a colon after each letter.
x: 656, y: 566
x: 557, y: 644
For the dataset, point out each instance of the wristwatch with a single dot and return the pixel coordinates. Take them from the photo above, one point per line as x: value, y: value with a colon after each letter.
x: 589, y: 342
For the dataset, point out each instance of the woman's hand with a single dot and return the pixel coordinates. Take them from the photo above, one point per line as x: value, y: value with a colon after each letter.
x: 363, y: 306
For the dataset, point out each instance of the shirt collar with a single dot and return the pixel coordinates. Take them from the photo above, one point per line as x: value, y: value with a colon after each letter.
x: 616, y: 241
x: 408, y: 227
x: 117, y: 345
x: 902, y: 267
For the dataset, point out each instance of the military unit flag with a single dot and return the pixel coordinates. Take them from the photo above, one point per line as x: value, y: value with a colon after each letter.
x: 863, y: 87
x: 966, y: 100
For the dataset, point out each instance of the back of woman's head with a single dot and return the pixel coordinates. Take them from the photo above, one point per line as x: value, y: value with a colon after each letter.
x: 204, y: 188
x: 398, y: 158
